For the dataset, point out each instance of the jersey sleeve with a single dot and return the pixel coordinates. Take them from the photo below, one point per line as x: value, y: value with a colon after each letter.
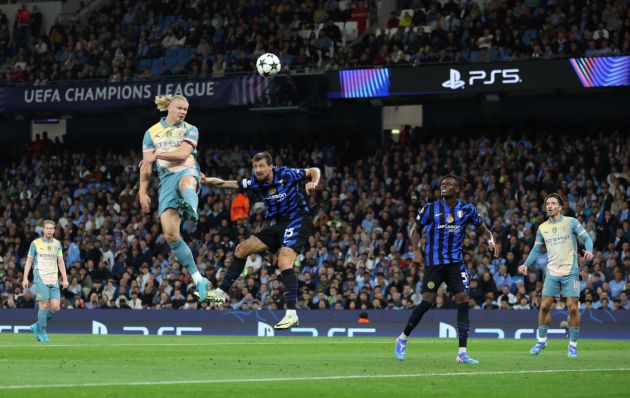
x: 244, y: 185
x: 577, y: 228
x: 539, y: 238
x: 59, y: 250
x: 294, y: 174
x: 423, y: 216
x: 475, y: 218
x: 32, y: 251
x: 191, y: 135
x: 147, y: 142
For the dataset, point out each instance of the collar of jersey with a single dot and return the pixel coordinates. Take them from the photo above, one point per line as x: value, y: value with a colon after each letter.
x: 163, y: 123
x: 446, y: 204
x: 555, y: 222
x: 47, y: 241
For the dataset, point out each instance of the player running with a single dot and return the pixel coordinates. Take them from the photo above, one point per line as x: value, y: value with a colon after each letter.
x: 559, y: 235
x: 46, y: 257
x: 283, y: 190
x: 445, y: 222
x: 172, y: 143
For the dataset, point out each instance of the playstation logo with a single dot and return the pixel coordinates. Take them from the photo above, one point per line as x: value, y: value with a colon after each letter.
x: 454, y: 82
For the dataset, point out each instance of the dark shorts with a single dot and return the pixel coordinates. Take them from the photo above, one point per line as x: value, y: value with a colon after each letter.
x: 287, y: 233
x: 455, y: 276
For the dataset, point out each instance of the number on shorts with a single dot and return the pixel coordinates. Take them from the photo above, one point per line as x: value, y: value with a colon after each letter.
x: 288, y: 232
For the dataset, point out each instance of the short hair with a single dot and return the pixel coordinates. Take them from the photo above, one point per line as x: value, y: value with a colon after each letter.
x: 163, y: 101
x: 54, y: 224
x: 554, y: 195
x: 266, y: 156
x: 457, y: 179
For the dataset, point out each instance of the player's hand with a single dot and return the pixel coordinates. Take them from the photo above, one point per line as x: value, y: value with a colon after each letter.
x: 145, y: 202
x: 310, y: 187
x: 417, y: 258
x: 494, y: 249
x: 25, y: 283
x: 64, y: 283
x: 522, y: 269
x: 588, y: 256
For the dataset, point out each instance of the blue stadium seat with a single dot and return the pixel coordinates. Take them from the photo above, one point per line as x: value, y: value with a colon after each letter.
x: 144, y: 64
x: 182, y: 61
x: 474, y: 56
x: 183, y: 52
x: 170, y: 53
x: 170, y: 63
x: 169, y: 19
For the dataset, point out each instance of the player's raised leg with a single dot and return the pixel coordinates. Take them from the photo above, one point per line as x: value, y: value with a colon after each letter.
x: 544, y: 320
x: 171, y: 221
x: 247, y: 247
x: 286, y: 259
x: 188, y: 190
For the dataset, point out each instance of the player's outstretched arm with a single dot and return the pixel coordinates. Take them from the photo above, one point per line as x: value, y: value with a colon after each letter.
x: 218, y: 182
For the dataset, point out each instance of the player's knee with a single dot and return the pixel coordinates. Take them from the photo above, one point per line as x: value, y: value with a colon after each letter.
x: 241, y: 251
x: 54, y: 309
x: 171, y: 237
x: 430, y: 297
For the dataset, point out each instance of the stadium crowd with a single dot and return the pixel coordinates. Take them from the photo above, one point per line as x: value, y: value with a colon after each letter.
x: 140, y: 39
x: 359, y: 255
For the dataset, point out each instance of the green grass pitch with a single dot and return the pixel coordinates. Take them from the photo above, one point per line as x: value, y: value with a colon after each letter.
x: 193, y: 366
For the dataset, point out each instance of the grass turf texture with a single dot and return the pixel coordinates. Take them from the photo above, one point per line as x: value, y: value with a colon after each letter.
x: 192, y: 366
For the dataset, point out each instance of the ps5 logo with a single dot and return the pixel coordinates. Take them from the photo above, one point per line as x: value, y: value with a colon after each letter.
x: 496, y: 76
x: 454, y: 82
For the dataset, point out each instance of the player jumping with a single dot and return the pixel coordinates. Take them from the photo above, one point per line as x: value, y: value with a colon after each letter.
x: 284, y: 191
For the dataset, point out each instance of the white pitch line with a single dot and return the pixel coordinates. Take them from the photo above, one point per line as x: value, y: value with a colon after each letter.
x: 315, y: 378
x: 277, y: 342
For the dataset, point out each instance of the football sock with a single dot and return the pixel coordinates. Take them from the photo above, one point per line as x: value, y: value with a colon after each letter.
x: 233, y: 272
x: 573, y: 335
x: 463, y: 324
x: 542, y: 333
x: 42, y: 315
x: 416, y: 316
x: 290, y: 288
x: 184, y: 255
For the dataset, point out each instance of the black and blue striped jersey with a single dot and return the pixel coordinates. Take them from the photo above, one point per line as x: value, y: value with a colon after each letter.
x: 285, y: 198
x: 445, y: 229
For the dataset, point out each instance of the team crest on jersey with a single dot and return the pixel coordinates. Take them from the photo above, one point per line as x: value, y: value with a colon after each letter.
x: 40, y: 295
x: 449, y: 219
x: 460, y: 213
x: 272, y: 191
x: 431, y: 285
